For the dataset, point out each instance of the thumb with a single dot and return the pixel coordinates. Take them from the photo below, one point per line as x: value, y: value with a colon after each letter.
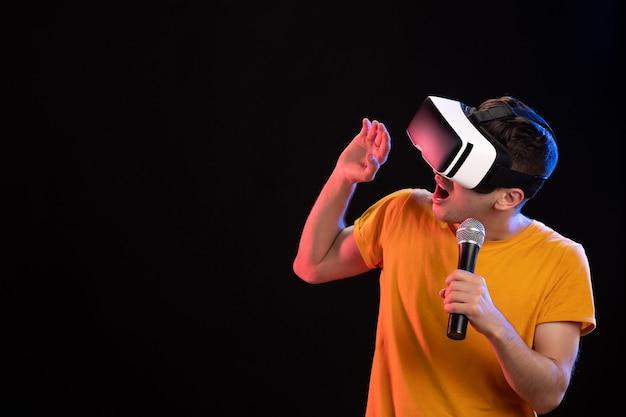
x: 372, y: 166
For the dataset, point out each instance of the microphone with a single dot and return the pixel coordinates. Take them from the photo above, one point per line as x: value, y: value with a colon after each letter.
x: 470, y: 235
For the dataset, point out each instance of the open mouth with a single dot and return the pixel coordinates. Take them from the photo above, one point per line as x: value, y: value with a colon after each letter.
x: 441, y: 188
x: 440, y: 193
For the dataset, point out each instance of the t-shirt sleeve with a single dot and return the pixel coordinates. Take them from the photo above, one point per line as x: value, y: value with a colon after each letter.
x: 572, y: 296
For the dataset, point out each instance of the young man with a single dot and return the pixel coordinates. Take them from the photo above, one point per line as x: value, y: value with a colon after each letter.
x: 528, y: 300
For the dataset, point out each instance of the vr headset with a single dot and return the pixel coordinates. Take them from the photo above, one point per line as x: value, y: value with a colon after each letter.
x: 452, y: 140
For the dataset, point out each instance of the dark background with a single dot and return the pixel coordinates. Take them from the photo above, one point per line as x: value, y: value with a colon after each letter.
x: 162, y: 158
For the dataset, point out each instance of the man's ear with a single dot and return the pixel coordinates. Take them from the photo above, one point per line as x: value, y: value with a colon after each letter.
x: 509, y: 198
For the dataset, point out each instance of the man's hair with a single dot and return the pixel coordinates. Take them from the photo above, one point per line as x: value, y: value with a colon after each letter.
x: 530, y: 141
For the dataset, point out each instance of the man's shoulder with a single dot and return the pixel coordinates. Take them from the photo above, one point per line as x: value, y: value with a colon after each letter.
x: 404, y: 202
x: 418, y: 195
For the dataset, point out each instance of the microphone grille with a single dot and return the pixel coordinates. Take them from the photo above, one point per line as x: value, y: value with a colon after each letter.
x: 471, y: 230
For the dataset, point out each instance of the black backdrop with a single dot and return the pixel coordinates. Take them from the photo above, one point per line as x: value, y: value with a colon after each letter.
x: 163, y: 158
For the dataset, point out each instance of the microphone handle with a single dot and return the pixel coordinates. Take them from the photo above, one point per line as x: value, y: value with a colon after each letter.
x: 457, y: 323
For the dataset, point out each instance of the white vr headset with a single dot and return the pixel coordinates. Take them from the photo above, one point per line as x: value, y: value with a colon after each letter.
x: 451, y: 139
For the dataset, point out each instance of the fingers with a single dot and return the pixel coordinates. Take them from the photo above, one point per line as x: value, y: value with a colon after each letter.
x: 461, y: 275
x: 383, y: 142
x: 375, y: 139
x: 365, y: 126
x: 464, y: 292
x: 380, y: 140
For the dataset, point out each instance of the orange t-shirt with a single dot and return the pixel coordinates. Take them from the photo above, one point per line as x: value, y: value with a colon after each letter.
x: 537, y: 276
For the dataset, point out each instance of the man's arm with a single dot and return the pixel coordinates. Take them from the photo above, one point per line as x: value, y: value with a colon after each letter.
x: 541, y: 374
x: 327, y: 250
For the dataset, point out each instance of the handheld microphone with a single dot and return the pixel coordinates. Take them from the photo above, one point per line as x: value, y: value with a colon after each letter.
x: 470, y: 235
